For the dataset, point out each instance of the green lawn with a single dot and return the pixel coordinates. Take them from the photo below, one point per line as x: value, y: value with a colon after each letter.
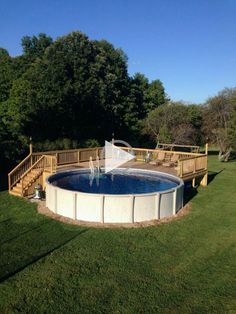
x: 186, y: 266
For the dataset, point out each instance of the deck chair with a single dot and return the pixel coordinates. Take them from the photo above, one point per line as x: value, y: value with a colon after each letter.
x: 159, y: 160
x: 172, y: 162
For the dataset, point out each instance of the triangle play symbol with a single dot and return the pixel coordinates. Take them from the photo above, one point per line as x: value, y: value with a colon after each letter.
x: 115, y: 157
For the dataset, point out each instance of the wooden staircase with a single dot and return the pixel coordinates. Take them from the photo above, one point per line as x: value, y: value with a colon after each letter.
x: 26, y: 174
x: 21, y: 188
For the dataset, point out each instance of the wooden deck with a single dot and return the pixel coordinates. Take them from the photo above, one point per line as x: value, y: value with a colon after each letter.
x: 137, y: 165
x: 130, y: 164
x: 37, y: 166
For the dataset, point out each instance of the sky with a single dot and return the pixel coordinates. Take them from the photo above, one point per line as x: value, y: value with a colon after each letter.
x: 190, y: 45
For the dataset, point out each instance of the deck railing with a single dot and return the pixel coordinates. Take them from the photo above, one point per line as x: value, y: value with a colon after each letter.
x: 71, y: 156
x: 44, y: 163
x: 141, y: 153
x: 173, y: 147
x: 15, y: 175
x: 29, y: 163
x: 192, y: 165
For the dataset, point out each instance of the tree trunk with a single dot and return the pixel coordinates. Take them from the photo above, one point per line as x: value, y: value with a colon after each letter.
x: 224, y: 156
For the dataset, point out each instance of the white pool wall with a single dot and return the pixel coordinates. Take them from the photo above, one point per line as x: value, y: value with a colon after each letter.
x: 107, y: 208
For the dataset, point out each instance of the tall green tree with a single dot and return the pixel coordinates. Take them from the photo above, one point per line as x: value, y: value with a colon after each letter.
x: 155, y: 95
x: 6, y: 74
x: 143, y: 98
x: 217, y: 115
x: 174, y: 122
x: 71, y: 90
x: 35, y: 46
x: 78, y: 85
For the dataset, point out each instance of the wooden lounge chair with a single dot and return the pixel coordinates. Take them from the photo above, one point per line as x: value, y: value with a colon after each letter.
x: 172, y: 162
x: 159, y: 160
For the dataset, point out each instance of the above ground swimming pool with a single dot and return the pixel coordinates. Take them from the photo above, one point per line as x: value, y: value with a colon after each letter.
x: 120, y: 196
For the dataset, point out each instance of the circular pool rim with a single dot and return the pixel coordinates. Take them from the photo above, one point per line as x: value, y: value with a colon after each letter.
x: 115, y: 208
x: 154, y: 173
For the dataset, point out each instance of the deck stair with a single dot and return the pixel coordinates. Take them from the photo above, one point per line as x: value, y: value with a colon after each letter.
x: 26, y: 182
x: 27, y: 173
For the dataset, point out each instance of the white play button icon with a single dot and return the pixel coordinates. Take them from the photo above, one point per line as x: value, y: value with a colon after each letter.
x: 115, y: 157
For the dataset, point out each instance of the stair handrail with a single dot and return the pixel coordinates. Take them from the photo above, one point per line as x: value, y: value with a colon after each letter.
x: 21, y: 163
x: 13, y: 171
x: 27, y: 163
x: 51, y: 157
x: 38, y: 161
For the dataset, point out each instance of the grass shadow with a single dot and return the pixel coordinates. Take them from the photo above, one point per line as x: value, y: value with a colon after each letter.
x: 213, y: 153
x: 32, y: 245
x: 24, y: 232
x: 232, y: 157
x: 189, y: 192
x: 213, y: 174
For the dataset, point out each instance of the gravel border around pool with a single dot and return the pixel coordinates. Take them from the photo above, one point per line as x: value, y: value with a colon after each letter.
x: 42, y: 209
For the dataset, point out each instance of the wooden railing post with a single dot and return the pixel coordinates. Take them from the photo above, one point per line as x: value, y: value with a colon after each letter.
x: 206, y: 149
x: 206, y: 161
x: 180, y: 166
x: 51, y: 164
x: 22, y: 187
x: 31, y: 146
x: 194, y: 164
x: 9, y: 182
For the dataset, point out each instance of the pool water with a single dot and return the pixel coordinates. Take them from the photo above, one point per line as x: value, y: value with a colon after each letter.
x: 115, y: 182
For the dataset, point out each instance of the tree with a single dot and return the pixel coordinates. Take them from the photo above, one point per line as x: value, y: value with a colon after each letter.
x: 174, y: 123
x: 12, y: 144
x: 3, y: 53
x: 218, y: 112
x: 112, y: 75
x: 6, y: 74
x: 232, y: 129
x: 143, y: 98
x: 155, y: 95
x: 134, y: 109
x: 35, y: 46
x: 67, y: 91
x: 80, y: 87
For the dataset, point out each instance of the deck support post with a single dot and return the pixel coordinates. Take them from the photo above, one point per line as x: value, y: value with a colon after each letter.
x: 204, y: 180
